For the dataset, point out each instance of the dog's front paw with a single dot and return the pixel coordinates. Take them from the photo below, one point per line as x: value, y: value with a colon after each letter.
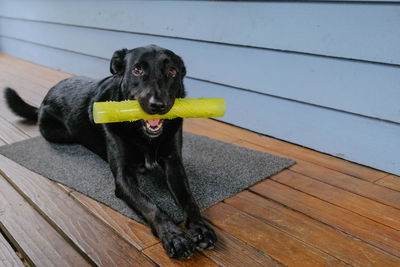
x: 202, y: 235
x: 176, y: 244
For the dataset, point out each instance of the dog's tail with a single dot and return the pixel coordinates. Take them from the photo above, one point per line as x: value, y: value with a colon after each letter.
x: 19, y: 106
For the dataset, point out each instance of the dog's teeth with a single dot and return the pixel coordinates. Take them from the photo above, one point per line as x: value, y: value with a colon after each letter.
x: 153, y: 129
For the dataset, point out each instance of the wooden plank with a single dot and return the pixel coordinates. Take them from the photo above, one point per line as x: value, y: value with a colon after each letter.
x: 279, y: 26
x: 8, y: 257
x: 40, y: 74
x: 369, y: 231
x: 227, y: 252
x: 266, y: 238
x: 9, y: 133
x: 256, y: 141
x: 312, y: 79
x: 363, y: 206
x: 299, y: 153
x: 230, y: 251
x: 31, y: 234
x: 342, y: 246
x: 212, y: 129
x: 17, y: 130
x: 65, y: 188
x: 136, y: 233
x: 158, y: 255
x: 28, y: 89
x: 27, y: 128
x: 344, y: 135
x: 31, y: 80
x: 92, y: 237
x: 13, y: 77
x: 14, y: 67
x: 390, y: 181
x: 349, y: 183
x: 23, y: 76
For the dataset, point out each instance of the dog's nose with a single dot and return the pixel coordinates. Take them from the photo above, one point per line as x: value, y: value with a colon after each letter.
x: 156, y: 105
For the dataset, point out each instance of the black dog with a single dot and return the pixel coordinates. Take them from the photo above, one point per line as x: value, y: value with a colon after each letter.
x: 153, y: 76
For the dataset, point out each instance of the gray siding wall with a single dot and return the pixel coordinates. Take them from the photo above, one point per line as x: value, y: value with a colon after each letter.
x: 325, y: 75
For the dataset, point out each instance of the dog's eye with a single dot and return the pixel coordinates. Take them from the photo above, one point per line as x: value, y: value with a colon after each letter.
x: 137, y: 71
x: 172, y: 73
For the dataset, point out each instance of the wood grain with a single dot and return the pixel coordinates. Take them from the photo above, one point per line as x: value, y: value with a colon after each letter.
x: 29, y: 128
x: 390, y: 181
x: 369, y: 231
x: 8, y: 257
x: 279, y: 245
x: 31, y: 234
x: 230, y: 251
x: 346, y: 248
x: 363, y: 206
x: 136, y: 233
x: 43, y: 75
x: 29, y: 90
x: 349, y: 183
x: 30, y: 80
x: 210, y: 129
x: 158, y: 255
x: 10, y: 134
x: 278, y: 147
x: 88, y: 234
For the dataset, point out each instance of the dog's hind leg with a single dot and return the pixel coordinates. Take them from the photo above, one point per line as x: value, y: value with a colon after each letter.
x: 53, y: 129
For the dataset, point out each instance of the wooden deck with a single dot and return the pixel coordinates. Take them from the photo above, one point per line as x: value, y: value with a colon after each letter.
x: 321, y: 211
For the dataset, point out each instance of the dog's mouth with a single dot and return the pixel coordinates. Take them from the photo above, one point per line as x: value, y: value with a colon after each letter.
x: 153, y: 127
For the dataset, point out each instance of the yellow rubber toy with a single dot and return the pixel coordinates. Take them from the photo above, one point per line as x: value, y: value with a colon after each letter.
x: 130, y: 110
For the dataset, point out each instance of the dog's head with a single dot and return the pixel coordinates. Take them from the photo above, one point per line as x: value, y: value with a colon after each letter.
x: 153, y: 76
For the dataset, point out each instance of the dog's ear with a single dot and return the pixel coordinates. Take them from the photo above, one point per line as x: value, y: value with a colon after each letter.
x: 117, y: 63
x: 182, y: 68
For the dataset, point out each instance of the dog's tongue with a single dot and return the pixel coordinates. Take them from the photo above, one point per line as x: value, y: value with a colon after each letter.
x: 154, y: 122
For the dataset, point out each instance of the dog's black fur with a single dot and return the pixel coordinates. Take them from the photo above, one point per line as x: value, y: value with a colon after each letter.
x: 153, y: 76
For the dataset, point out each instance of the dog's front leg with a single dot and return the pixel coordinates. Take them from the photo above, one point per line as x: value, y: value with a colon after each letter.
x: 202, y: 235
x: 174, y: 239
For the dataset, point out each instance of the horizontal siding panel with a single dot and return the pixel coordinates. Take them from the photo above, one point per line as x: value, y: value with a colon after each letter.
x: 57, y: 59
x: 363, y: 140
x: 351, y: 86
x: 351, y: 30
x: 367, y: 141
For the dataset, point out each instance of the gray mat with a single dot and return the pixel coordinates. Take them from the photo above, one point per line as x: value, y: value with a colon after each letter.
x: 216, y: 171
